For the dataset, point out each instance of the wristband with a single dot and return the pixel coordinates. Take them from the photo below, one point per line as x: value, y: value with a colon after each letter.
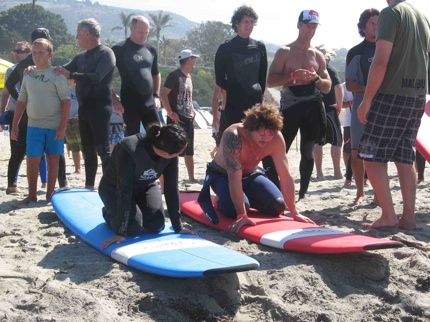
x: 242, y: 216
x: 155, y: 95
x: 170, y: 113
x: 316, y: 80
x: 292, y: 76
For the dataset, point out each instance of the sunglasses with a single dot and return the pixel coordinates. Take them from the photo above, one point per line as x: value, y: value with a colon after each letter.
x: 21, y: 51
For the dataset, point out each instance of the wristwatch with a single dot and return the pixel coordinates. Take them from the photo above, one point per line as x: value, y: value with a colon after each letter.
x: 156, y: 95
x: 316, y: 80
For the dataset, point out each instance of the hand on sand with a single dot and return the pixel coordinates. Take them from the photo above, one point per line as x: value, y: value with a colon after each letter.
x: 302, y: 218
x: 114, y: 239
x: 235, y: 226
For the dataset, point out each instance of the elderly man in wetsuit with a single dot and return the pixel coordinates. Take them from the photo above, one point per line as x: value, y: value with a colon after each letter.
x: 92, y: 70
x: 301, y: 71
x: 237, y: 180
x: 137, y: 63
x: 240, y: 68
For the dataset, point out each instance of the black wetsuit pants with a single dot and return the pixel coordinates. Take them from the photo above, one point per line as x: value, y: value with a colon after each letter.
x: 146, y: 208
x: 306, y: 117
x: 94, y: 125
x: 136, y: 110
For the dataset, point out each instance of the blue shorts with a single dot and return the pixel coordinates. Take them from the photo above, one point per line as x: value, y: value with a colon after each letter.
x: 41, y: 141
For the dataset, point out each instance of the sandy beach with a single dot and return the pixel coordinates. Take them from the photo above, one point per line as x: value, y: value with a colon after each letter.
x: 47, y: 274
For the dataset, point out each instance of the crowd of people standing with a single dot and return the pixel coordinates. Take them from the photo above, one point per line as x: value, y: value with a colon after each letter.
x: 247, y: 130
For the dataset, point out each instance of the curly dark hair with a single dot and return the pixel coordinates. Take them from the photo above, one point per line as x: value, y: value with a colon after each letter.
x: 170, y: 138
x: 239, y: 13
x: 263, y: 116
x: 364, y: 18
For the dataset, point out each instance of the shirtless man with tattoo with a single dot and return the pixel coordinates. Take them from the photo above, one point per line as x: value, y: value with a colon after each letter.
x: 237, y: 180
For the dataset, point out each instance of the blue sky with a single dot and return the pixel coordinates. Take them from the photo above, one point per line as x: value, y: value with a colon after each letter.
x: 277, y: 19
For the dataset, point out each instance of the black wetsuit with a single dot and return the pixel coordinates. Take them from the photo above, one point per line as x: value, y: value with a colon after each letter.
x: 92, y: 71
x: 334, y: 131
x: 129, y: 190
x: 302, y: 109
x: 137, y: 64
x: 241, y: 70
x: 18, y: 148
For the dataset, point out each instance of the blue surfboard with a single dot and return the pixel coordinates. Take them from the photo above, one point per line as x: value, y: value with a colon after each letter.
x: 165, y: 253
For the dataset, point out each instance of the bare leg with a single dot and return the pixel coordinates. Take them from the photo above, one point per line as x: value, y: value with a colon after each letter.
x: 161, y: 179
x: 189, y: 163
x: 53, y: 164
x: 408, y: 186
x: 335, y: 156
x: 378, y: 176
x: 77, y: 161
x: 357, y: 166
x: 32, y: 174
x: 318, y: 157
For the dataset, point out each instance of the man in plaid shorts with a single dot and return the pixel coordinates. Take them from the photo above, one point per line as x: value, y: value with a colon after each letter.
x: 392, y: 107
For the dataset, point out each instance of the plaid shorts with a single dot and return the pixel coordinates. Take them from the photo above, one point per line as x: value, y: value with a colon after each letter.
x: 391, y: 131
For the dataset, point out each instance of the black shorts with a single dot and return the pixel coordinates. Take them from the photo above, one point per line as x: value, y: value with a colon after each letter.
x: 334, y: 133
x: 188, y: 126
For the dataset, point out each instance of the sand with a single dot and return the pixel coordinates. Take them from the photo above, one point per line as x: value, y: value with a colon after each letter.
x: 47, y: 274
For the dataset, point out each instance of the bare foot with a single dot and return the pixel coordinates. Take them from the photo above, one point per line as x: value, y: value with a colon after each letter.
x: 89, y: 187
x: 408, y: 224
x: 43, y: 185
x: 359, y: 200
x: 29, y: 199
x: 192, y: 180
x: 419, y: 181
x: 78, y: 171
x: 375, y: 201
x: 347, y: 183
x: 338, y: 176
x: 320, y: 176
x: 383, y: 222
x: 11, y: 190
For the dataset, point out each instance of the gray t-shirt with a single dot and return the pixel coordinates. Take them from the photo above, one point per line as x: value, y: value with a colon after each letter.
x: 43, y: 91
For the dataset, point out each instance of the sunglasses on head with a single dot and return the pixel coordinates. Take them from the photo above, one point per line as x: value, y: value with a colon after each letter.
x: 21, y: 51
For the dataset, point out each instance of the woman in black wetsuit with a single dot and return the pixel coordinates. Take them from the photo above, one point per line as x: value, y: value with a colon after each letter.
x: 128, y: 188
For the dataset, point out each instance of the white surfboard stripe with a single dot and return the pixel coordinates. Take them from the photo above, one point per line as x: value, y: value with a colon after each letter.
x: 123, y: 254
x: 279, y: 238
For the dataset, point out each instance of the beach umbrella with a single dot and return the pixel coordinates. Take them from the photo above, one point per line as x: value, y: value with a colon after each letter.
x: 4, y: 65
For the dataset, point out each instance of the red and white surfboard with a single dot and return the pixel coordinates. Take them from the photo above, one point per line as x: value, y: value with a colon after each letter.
x: 284, y: 233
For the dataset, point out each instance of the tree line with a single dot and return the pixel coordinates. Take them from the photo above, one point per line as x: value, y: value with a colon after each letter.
x: 16, y: 24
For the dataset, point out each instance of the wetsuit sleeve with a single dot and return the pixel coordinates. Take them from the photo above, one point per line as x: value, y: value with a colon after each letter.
x: 221, y: 67
x: 72, y: 66
x: 104, y: 66
x: 124, y: 193
x: 11, y: 82
x: 171, y: 194
x: 263, y: 68
x: 154, y: 67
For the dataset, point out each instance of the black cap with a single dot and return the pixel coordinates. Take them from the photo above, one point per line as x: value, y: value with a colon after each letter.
x: 40, y: 33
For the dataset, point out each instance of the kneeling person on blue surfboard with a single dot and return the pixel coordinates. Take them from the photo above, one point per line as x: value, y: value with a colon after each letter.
x: 128, y: 188
x: 237, y: 180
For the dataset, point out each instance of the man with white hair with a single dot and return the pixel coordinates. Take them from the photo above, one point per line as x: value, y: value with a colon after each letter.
x: 92, y: 71
x: 137, y: 63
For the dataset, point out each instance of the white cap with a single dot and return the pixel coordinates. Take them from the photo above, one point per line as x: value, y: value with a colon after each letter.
x: 186, y: 53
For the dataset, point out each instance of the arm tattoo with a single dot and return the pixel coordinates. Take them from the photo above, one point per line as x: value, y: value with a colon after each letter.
x: 232, y: 146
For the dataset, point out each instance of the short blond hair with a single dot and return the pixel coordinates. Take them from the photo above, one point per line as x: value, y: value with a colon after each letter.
x: 45, y: 43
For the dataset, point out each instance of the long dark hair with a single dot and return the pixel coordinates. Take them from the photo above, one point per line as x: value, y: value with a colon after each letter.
x: 169, y: 138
